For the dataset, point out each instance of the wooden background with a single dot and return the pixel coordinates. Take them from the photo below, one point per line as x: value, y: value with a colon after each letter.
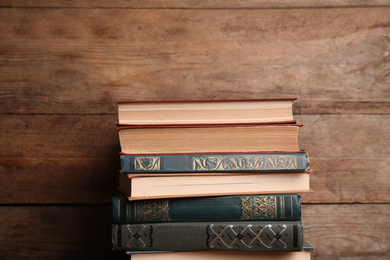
x: 63, y: 64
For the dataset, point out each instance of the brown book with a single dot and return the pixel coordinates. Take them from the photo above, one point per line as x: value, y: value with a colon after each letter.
x: 191, y: 112
x: 138, y: 187
x: 208, y: 138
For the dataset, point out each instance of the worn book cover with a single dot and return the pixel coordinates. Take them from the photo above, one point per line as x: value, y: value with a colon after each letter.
x: 222, y: 208
x: 204, y: 236
x: 227, y: 162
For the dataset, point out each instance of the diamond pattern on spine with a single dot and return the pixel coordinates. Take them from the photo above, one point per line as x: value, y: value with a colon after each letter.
x: 139, y: 236
x: 249, y: 236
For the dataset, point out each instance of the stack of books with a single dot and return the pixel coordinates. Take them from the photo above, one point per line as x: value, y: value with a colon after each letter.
x: 210, y: 180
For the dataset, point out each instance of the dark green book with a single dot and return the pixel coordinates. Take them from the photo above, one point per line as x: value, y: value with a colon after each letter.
x: 224, y: 208
x: 228, y: 162
x: 202, y: 236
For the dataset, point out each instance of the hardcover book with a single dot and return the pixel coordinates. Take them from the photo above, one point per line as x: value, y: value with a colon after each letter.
x: 217, y: 184
x: 282, y: 207
x: 164, y: 139
x: 206, y: 112
x: 228, y: 162
x: 205, y: 236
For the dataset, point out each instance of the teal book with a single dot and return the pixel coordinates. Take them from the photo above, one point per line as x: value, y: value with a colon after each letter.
x: 203, y: 163
x: 206, y: 236
x: 270, y: 207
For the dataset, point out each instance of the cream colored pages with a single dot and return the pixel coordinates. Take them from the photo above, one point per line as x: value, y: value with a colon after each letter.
x: 234, y: 184
x: 204, y: 255
x: 209, y: 139
x: 234, y: 112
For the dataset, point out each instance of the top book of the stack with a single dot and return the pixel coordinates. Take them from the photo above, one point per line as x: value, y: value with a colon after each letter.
x: 206, y: 112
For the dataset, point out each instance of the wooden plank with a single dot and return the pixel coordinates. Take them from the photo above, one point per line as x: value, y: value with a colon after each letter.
x: 358, y: 136
x: 349, y: 180
x: 58, y: 136
x: 45, y: 181
x: 80, y: 61
x: 193, y: 4
x: 74, y: 232
x: 83, y: 232
x: 93, y: 136
x: 347, y: 231
x: 90, y: 180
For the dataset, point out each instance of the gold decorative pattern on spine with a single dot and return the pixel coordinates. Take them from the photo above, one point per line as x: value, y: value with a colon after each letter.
x: 147, y: 163
x: 244, y: 162
x: 151, y: 210
x: 282, y: 207
x: 258, y: 207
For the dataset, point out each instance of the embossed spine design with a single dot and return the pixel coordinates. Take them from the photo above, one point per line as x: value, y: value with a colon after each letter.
x: 147, y: 163
x: 244, y: 162
x: 214, y: 162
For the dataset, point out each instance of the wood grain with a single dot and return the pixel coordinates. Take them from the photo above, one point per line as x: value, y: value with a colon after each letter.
x: 358, y: 136
x: 80, y: 61
x: 349, y: 180
x: 215, y: 4
x: 50, y: 180
x: 347, y: 231
x: 336, y: 231
x: 56, y: 232
x: 58, y: 136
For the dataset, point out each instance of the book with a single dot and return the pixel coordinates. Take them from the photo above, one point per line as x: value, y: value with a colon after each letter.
x: 216, y: 184
x: 228, y: 162
x: 164, y: 139
x: 268, y: 207
x: 208, y: 236
x: 304, y: 254
x: 190, y: 112
x: 223, y: 255
x: 233, y: 255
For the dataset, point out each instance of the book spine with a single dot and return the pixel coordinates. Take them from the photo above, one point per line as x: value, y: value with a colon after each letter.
x: 202, y: 236
x: 195, y: 163
x: 284, y: 207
